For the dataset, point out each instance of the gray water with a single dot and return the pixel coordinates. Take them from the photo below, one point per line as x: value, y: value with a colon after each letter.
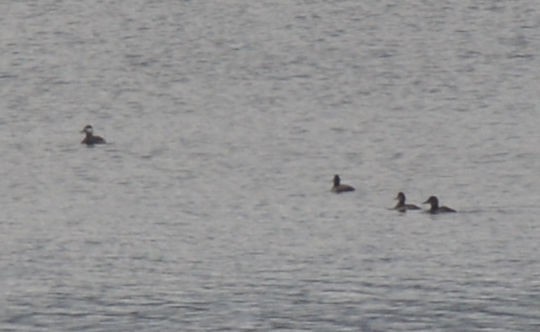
x: 210, y: 207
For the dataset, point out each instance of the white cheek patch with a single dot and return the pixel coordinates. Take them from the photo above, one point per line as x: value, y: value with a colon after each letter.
x: 88, y: 130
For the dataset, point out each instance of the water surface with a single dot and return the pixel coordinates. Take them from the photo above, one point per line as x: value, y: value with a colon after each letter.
x: 210, y: 208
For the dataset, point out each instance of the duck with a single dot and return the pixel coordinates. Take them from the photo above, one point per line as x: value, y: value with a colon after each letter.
x: 401, y: 206
x: 435, y: 208
x: 340, y: 188
x: 90, y: 138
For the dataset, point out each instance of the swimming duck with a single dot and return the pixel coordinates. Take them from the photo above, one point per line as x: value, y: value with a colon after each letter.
x: 401, y: 206
x: 90, y: 138
x: 340, y: 188
x: 435, y: 208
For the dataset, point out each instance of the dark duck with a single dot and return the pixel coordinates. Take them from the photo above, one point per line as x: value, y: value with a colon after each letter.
x: 90, y: 138
x: 340, y: 188
x: 402, y: 206
x: 435, y: 208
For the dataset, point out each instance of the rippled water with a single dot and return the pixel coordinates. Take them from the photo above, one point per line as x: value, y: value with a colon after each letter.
x: 210, y: 209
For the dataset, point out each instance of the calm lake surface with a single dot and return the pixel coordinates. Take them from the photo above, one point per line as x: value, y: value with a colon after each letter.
x: 210, y: 208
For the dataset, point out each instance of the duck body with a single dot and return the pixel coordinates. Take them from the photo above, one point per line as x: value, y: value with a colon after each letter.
x: 340, y: 188
x: 435, y: 208
x: 402, y: 206
x: 90, y: 138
